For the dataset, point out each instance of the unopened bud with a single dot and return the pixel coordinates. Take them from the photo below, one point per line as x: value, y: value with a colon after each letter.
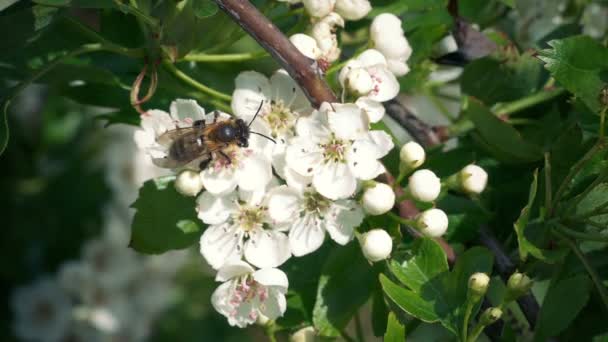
x: 490, y: 316
x: 378, y: 199
x: 432, y: 222
x: 188, y: 183
x: 319, y: 8
x: 473, y: 179
x: 478, y: 284
x: 424, y: 185
x: 359, y: 81
x: 517, y: 285
x: 306, y: 334
x: 412, y: 155
x: 353, y: 9
x: 376, y: 245
x: 307, y: 45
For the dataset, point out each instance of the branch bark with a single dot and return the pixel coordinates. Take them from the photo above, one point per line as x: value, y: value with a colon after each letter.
x: 303, y: 70
x: 418, y: 129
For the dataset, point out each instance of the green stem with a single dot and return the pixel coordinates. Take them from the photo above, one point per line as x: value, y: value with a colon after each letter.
x: 401, y: 220
x: 526, y: 102
x: 575, y: 169
x: 137, y: 13
x: 269, y: 330
x: 467, y: 316
x: 475, y: 333
x: 220, y: 58
x: 582, y: 235
x: 601, y: 289
x: 173, y: 70
x: 359, y: 328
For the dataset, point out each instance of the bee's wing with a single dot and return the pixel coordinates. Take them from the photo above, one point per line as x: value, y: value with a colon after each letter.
x: 167, y: 138
x: 169, y: 163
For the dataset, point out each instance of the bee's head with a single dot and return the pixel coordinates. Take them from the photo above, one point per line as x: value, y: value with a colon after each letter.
x: 242, y: 133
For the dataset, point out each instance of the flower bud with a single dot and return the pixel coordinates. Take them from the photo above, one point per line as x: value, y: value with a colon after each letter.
x: 319, y: 8
x: 188, y: 183
x: 490, y: 316
x: 424, y: 185
x: 432, y: 222
x: 353, y: 9
x: 473, y: 179
x: 359, y: 81
x: 376, y: 245
x: 478, y: 284
x: 517, y: 285
x: 307, y: 45
x: 306, y: 334
x: 412, y: 155
x: 323, y: 32
x: 378, y: 199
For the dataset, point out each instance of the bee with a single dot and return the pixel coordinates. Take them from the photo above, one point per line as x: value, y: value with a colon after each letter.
x: 195, y: 146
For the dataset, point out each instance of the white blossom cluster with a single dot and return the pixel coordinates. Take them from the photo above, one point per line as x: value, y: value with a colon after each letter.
x: 111, y: 292
x: 312, y: 178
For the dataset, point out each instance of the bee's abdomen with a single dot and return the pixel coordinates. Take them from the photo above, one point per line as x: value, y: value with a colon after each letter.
x: 186, y: 148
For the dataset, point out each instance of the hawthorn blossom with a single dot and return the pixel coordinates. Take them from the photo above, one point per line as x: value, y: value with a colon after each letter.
x: 376, y: 245
x: 42, y: 311
x: 334, y: 148
x: 283, y: 102
x: 309, y: 215
x: 373, y: 78
x: 246, y: 294
x: 324, y: 32
x: 387, y: 37
x: 240, y: 227
x: 348, y: 9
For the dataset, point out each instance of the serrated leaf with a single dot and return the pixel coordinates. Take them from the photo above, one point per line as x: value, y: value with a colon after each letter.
x: 500, y: 138
x: 595, y: 200
x: 395, y: 331
x: 428, y: 262
x: 164, y: 220
x: 579, y: 64
x: 409, y: 301
x: 561, y: 305
x: 346, y: 283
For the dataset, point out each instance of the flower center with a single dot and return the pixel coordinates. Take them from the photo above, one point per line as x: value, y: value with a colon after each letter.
x: 314, y: 202
x: 249, y: 218
x: 280, y: 118
x: 334, y: 149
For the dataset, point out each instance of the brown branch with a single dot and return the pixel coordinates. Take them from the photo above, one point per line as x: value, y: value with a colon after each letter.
x: 302, y: 69
x: 418, y: 129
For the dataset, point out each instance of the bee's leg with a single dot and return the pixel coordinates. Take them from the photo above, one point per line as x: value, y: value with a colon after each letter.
x: 204, y: 163
x: 199, y: 123
x: 228, y: 160
x: 216, y: 115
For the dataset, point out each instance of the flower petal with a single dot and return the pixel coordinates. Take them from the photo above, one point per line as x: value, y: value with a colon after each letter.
x: 186, y: 111
x: 334, y: 181
x: 347, y: 121
x: 254, y: 172
x: 362, y: 159
x: 233, y: 269
x: 215, y: 209
x: 285, y: 89
x: 275, y: 305
x: 386, y: 86
x: 295, y: 180
x: 341, y: 223
x: 383, y: 142
x: 374, y: 109
x: 306, y: 235
x: 267, y: 248
x: 251, y: 88
x: 283, y: 204
x: 272, y: 277
x: 303, y: 156
x: 219, y: 181
x: 219, y: 244
x: 371, y: 57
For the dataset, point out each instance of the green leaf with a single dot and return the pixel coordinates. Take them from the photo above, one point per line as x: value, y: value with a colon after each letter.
x: 204, y: 8
x: 596, y: 199
x: 525, y: 245
x: 428, y: 262
x: 561, y: 305
x: 395, y: 331
x: 501, y: 139
x: 379, y: 312
x: 578, y: 63
x: 164, y: 220
x: 346, y: 283
x: 409, y: 301
x: 78, y: 3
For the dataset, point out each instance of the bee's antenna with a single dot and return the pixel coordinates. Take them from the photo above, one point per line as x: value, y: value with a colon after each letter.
x: 256, y: 113
x: 265, y: 136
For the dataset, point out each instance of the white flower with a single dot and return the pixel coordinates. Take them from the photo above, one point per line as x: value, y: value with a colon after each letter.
x: 412, y: 155
x: 307, y: 45
x: 111, y: 265
x: 432, y: 222
x: 373, y: 109
x: 353, y: 9
x: 473, y: 179
x: 306, y: 334
x: 324, y: 32
x: 42, y: 311
x: 376, y: 245
x: 319, y: 8
x: 245, y: 294
x: 384, y: 84
x: 378, y: 199
x: 388, y: 38
x: 334, y: 149
x: 188, y: 183
x: 309, y: 215
x: 359, y: 81
x: 478, y: 283
x: 240, y: 227
x: 424, y: 185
